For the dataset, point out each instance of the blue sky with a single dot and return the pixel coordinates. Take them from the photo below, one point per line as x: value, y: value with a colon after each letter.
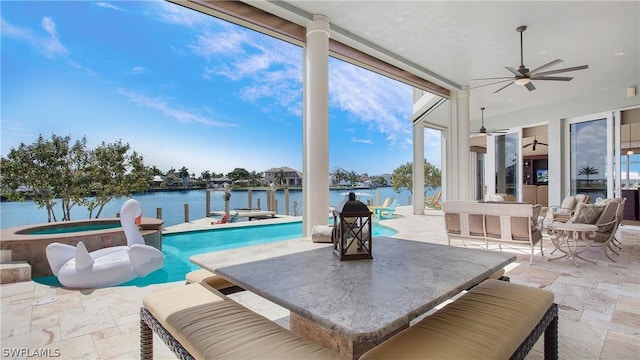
x: 186, y: 89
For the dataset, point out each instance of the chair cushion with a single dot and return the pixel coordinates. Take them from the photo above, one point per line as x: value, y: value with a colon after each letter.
x: 488, y: 322
x: 453, y: 223
x: 209, y: 278
x: 476, y: 225
x: 211, y: 326
x: 587, y: 213
x: 581, y: 199
x: 608, y: 215
x: 568, y: 203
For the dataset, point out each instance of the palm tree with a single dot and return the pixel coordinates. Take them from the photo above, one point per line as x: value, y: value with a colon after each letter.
x: 280, y: 177
x: 587, y: 171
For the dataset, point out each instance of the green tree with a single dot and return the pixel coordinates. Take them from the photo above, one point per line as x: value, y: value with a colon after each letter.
x: 402, y: 177
x: 238, y: 174
x: 588, y: 171
x: 183, y: 173
x: 280, y: 177
x: 206, y: 175
x: 54, y: 171
x: 255, y: 178
x: 353, y: 177
x: 338, y: 176
x: 48, y: 168
x: 114, y: 173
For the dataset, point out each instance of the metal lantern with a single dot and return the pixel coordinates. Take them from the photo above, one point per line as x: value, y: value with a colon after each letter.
x: 352, y: 230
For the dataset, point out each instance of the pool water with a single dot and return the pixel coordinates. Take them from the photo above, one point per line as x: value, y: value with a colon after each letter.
x: 179, y: 247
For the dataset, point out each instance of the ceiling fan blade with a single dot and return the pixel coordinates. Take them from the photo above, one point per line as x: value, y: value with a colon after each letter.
x: 556, y: 78
x: 574, y: 68
x: 514, y: 71
x: 530, y: 86
x: 529, y: 144
x: 541, y: 143
x: 492, y: 83
x: 509, y: 84
x: 494, y: 78
x: 552, y: 63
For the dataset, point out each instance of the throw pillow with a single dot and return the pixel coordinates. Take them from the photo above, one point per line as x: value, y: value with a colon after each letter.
x: 587, y: 213
x: 568, y: 203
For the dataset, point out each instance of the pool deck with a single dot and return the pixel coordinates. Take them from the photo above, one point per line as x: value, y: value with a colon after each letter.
x: 599, y: 304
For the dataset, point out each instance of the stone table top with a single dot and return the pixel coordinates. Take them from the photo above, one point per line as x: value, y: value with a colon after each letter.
x: 363, y: 300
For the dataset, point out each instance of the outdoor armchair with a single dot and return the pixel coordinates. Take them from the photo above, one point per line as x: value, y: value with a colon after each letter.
x: 564, y: 211
x: 606, y: 215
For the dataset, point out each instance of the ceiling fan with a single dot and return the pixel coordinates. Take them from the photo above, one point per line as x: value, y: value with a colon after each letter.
x: 535, y: 143
x: 523, y: 76
x: 484, y: 131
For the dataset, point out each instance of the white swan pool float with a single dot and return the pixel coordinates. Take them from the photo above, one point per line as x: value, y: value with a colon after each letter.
x: 76, y: 267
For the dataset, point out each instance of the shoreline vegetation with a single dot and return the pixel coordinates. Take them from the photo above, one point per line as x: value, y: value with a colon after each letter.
x: 232, y: 188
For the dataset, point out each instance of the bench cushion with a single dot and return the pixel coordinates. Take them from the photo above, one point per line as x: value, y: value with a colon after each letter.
x: 488, y: 322
x: 211, y: 279
x: 211, y: 326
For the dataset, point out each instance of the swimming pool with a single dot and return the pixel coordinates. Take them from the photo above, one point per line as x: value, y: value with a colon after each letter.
x: 179, y: 247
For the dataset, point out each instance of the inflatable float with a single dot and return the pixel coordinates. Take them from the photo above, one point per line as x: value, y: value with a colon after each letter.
x: 76, y: 267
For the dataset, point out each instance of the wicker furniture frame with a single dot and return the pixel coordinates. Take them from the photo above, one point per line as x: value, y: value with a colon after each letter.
x: 148, y: 326
x: 547, y: 325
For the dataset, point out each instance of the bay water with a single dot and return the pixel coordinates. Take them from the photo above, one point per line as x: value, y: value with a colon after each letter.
x: 172, y: 203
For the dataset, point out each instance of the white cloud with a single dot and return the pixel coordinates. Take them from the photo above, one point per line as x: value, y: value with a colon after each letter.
x: 178, y: 15
x: 138, y: 70
x: 49, y: 45
x: 183, y: 116
x: 108, y: 6
x: 273, y: 70
x: 362, y: 141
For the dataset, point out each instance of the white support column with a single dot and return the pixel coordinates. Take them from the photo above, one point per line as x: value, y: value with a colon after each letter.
x: 450, y: 169
x: 418, y: 168
x: 316, y: 125
x: 463, y: 169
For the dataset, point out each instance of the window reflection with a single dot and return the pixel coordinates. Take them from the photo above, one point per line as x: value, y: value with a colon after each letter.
x: 589, y: 158
x: 507, y: 154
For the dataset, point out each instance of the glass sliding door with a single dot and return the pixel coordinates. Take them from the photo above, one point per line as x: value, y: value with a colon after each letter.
x: 590, y: 148
x: 508, y: 169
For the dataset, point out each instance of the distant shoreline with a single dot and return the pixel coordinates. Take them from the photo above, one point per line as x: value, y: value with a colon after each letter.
x: 244, y: 189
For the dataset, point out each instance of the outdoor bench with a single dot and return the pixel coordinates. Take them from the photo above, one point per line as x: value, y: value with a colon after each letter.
x: 221, y: 284
x: 198, y: 322
x: 493, y: 223
x: 494, y: 320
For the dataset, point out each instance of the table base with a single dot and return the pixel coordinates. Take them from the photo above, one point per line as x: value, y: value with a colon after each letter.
x: 568, y: 242
x: 327, y: 338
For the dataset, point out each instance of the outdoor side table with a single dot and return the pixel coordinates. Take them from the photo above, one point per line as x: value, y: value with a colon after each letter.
x: 572, y: 239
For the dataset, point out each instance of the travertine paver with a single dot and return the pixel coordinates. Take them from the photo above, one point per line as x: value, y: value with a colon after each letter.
x: 599, y: 304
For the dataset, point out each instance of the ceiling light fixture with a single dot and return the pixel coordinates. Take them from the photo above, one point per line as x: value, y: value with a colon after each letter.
x: 522, y: 81
x: 630, y: 151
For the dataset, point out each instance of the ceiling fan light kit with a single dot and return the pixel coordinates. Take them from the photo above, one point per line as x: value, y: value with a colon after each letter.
x: 524, y: 77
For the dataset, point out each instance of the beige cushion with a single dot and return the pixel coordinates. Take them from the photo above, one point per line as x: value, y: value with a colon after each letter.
x: 211, y: 326
x: 322, y: 234
x: 452, y: 221
x: 476, y: 225
x: 587, y: 213
x: 568, y: 203
x: 608, y: 214
x: 209, y: 278
x: 488, y: 322
x: 581, y: 199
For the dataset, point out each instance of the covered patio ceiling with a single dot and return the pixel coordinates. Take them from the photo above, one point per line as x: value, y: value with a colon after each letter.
x: 450, y: 43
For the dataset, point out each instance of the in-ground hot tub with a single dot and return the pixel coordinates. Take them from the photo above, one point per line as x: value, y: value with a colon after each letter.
x: 28, y: 243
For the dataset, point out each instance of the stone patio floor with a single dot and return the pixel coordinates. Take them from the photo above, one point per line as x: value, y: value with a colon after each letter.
x: 599, y: 304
